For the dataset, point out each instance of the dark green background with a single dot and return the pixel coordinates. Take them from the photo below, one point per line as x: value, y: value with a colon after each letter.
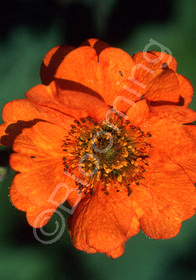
x: 28, y: 29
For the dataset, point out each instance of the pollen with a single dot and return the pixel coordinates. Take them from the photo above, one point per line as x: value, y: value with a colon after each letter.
x: 114, y: 153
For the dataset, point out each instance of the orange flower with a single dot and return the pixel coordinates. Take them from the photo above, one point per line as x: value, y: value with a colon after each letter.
x: 113, y: 138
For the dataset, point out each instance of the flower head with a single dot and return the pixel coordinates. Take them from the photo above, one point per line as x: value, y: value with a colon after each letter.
x: 110, y: 134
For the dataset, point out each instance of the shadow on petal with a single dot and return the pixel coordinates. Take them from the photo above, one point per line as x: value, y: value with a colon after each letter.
x: 14, y: 129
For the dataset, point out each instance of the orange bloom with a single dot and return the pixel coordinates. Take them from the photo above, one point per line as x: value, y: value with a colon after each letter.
x: 110, y: 134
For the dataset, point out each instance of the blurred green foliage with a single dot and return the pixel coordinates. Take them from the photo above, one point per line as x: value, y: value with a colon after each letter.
x: 24, y: 40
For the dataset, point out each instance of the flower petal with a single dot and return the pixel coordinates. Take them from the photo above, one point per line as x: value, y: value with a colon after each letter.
x: 139, y: 112
x: 36, y: 216
x: 155, y: 60
x: 173, y: 136
x: 163, y: 87
x: 186, y: 89
x: 156, y: 76
x: 101, y: 222
x: 170, y: 200
x: 81, y: 104
x: 39, y: 159
x: 80, y: 66
x: 51, y: 62
x: 147, y: 66
x: 102, y: 74
x: 21, y: 202
x: 65, y: 98
x: 20, y: 114
x: 115, y: 67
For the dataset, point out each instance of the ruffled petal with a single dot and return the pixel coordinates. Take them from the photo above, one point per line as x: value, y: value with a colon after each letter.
x: 51, y: 62
x: 155, y: 60
x: 115, y: 67
x: 39, y: 161
x: 167, y: 61
x: 117, y: 252
x: 36, y: 216
x: 68, y: 99
x: 20, y: 201
x: 20, y: 114
x: 146, y: 66
x: 139, y: 112
x: 186, y: 89
x: 102, y: 74
x: 81, y: 103
x: 56, y: 55
x: 167, y: 197
x: 156, y: 77
x: 80, y: 66
x: 173, y: 136
x: 101, y: 222
x: 163, y: 87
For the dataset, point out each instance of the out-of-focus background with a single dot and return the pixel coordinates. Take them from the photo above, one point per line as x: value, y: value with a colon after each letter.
x: 28, y: 29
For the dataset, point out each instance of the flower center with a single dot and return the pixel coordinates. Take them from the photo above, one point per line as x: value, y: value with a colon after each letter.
x: 114, y: 153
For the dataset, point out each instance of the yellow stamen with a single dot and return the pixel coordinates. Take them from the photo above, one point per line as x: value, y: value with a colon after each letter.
x: 100, y: 153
